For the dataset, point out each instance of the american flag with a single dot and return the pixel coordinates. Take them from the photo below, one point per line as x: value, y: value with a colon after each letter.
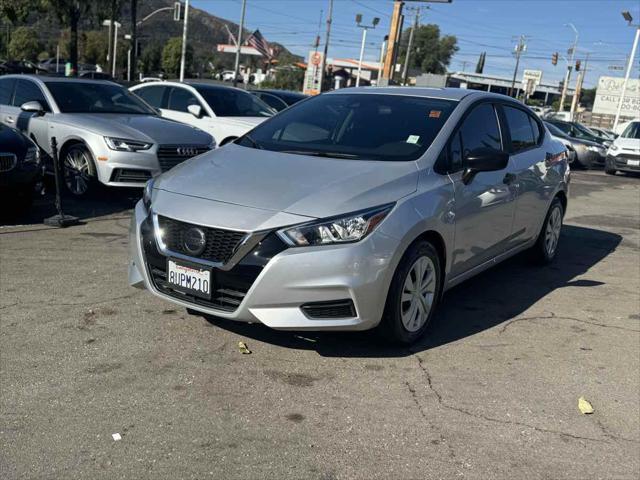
x: 257, y: 41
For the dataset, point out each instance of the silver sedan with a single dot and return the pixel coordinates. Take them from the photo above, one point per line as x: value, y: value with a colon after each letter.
x: 105, y: 134
x: 353, y: 210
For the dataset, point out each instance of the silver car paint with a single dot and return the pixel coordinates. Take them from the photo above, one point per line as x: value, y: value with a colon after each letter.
x: 477, y: 224
x: 92, y: 128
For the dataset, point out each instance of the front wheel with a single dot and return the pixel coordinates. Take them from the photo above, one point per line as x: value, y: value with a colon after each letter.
x: 546, y: 246
x: 79, y: 171
x: 608, y: 168
x: 413, y: 294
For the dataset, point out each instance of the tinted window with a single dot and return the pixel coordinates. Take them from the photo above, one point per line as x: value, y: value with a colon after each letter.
x: 353, y: 126
x: 94, y: 97
x: 6, y: 90
x: 272, y: 101
x: 27, y: 91
x: 522, y: 135
x: 632, y: 130
x: 231, y: 102
x: 564, y: 127
x: 455, y: 152
x: 555, y: 130
x: 152, y: 95
x: 180, y: 99
x: 480, y: 130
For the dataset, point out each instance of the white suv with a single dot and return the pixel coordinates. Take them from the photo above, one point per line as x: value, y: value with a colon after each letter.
x: 624, y: 153
x: 224, y: 112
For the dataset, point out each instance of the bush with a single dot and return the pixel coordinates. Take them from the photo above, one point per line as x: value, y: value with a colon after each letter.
x: 24, y: 44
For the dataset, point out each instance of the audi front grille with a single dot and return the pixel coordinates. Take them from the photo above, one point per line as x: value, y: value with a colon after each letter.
x: 171, y: 155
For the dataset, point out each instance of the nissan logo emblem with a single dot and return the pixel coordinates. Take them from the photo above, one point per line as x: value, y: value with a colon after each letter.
x: 187, y: 151
x: 194, y: 241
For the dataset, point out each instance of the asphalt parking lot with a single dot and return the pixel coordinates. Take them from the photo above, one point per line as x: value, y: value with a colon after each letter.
x: 491, y: 392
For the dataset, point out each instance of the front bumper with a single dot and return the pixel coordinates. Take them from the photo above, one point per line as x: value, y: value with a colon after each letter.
x: 621, y: 162
x: 279, y: 280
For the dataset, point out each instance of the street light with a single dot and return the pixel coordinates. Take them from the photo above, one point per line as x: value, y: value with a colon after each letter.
x: 567, y: 77
x: 364, y: 28
x: 627, y: 16
x: 116, y: 25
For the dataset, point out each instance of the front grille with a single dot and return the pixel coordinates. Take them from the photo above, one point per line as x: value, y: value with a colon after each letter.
x: 229, y: 287
x: 329, y: 310
x: 171, y: 155
x: 220, y: 244
x: 7, y: 161
x: 130, y: 175
x: 627, y: 156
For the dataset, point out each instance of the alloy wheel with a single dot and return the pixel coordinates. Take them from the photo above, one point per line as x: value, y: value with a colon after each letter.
x: 552, y: 232
x: 76, y: 172
x: 418, y: 294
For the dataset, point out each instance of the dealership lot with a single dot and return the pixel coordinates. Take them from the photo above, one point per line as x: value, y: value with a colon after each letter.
x: 491, y: 391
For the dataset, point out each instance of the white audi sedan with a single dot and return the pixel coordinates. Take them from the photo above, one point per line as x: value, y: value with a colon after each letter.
x: 224, y: 112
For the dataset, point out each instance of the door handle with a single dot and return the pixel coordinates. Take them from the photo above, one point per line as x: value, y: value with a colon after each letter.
x: 509, y: 178
x: 10, y: 120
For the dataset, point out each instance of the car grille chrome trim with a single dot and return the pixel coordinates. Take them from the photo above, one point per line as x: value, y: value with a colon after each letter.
x: 171, y: 155
x: 242, y: 247
x: 8, y: 161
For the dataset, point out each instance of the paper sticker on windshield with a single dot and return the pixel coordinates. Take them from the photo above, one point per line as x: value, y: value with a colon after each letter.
x: 413, y: 138
x: 435, y: 113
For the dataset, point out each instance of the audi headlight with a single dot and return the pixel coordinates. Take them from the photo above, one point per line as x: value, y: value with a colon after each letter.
x: 348, y: 228
x: 125, y: 145
x: 146, y: 195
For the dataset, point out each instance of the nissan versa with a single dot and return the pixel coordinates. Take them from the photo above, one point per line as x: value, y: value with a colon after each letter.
x: 353, y: 209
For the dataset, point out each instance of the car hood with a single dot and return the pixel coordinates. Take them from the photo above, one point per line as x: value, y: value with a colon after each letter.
x: 629, y: 144
x: 149, y: 128
x: 296, y: 184
x: 586, y: 143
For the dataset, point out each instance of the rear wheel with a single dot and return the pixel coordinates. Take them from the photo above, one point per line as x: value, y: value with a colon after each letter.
x: 546, y: 246
x: 413, y: 294
x: 79, y: 170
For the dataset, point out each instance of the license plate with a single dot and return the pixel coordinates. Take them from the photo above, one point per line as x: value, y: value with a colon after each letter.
x: 189, y: 279
x: 633, y: 163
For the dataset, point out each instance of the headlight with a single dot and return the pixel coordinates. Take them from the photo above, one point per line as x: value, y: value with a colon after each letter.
x: 146, y: 194
x: 124, y: 145
x: 614, y: 147
x: 32, y: 156
x: 349, y: 228
x: 594, y: 148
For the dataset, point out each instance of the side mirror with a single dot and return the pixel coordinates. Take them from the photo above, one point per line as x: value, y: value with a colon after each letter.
x: 33, y: 107
x: 195, y: 110
x: 484, y: 160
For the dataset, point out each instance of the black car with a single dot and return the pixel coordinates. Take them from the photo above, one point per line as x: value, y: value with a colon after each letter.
x: 19, y: 66
x: 588, y: 154
x: 279, y: 99
x: 20, y: 169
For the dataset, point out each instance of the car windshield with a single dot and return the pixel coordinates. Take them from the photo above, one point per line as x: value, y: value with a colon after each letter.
x: 230, y: 102
x: 584, y: 130
x: 632, y: 131
x: 355, y: 126
x: 93, y: 97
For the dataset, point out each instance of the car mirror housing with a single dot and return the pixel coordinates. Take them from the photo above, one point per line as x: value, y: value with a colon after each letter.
x: 484, y: 160
x: 33, y: 106
x: 195, y: 110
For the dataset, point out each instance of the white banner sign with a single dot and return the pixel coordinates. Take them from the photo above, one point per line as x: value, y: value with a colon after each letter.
x: 608, y: 95
x: 313, y: 75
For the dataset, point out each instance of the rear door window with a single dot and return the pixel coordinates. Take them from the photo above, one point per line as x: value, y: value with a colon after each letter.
x: 272, y: 101
x: 154, y: 95
x: 522, y: 134
x: 6, y: 90
x: 180, y: 99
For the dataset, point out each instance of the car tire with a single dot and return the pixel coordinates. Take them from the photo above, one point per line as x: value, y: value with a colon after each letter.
x: 546, y: 247
x: 406, y: 317
x: 582, y: 164
x: 79, y: 171
x: 608, y: 169
x: 227, y: 140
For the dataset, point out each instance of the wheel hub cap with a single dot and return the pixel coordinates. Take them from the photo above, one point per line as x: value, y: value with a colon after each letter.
x: 418, y: 294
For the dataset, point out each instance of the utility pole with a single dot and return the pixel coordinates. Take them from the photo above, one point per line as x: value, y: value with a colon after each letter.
x: 627, y: 16
x: 382, y: 52
x: 520, y: 47
x: 110, y: 42
x: 185, y: 25
x: 326, y: 44
x: 396, y: 21
x: 567, y: 77
x: 236, y: 68
x: 576, y: 95
x: 407, y: 57
x: 134, y: 40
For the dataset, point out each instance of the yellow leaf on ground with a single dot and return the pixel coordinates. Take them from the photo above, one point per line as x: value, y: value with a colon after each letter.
x: 584, y: 406
x: 243, y: 348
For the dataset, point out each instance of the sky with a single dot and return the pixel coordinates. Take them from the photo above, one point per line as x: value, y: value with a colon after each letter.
x: 480, y: 25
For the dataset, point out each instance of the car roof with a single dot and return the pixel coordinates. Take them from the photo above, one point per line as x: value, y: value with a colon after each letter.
x: 275, y: 91
x: 54, y: 78
x: 444, y: 93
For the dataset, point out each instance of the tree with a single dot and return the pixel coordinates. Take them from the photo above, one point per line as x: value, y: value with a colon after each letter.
x: 288, y: 77
x: 151, y: 58
x: 171, y: 55
x: 24, y: 44
x: 431, y: 53
x: 17, y: 11
x: 94, y: 47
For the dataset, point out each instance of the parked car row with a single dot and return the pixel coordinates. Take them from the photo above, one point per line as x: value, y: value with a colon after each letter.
x: 624, y: 154
x: 20, y: 169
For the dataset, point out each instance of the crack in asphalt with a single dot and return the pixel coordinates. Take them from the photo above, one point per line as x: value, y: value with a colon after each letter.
x: 610, y: 435
x: 480, y: 416
x: 560, y: 317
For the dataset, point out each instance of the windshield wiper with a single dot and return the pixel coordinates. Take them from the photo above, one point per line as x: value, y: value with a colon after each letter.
x: 321, y: 154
